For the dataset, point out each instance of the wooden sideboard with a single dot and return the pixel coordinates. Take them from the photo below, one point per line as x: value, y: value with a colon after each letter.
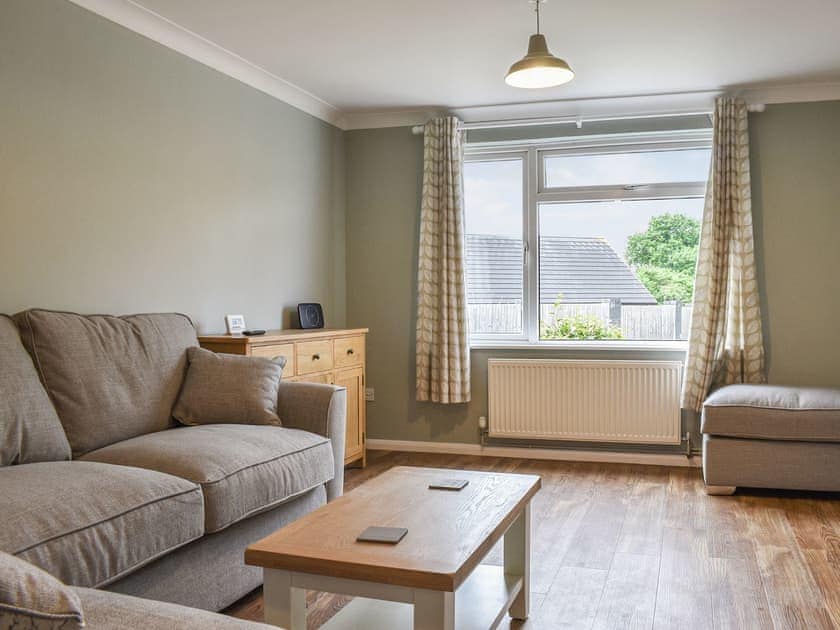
x: 332, y: 356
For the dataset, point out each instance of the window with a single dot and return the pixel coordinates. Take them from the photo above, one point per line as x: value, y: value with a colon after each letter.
x: 493, y: 212
x: 617, y: 223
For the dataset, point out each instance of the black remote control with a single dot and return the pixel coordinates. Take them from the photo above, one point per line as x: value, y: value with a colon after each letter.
x: 253, y: 333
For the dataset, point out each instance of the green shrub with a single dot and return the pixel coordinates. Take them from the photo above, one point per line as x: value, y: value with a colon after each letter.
x: 580, y: 326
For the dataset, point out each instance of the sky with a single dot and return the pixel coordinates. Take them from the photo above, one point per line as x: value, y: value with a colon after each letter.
x: 493, y: 194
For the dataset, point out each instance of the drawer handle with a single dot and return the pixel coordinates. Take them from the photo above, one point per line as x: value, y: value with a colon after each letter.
x: 349, y: 350
x: 316, y: 357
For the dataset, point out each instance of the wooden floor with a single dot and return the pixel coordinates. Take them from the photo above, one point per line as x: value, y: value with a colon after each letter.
x: 621, y: 546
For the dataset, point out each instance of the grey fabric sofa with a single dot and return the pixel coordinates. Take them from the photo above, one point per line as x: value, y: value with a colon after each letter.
x: 31, y: 599
x: 112, y: 611
x: 770, y: 436
x: 102, y: 489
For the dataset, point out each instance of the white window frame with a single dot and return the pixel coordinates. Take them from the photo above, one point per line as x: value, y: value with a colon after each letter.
x: 535, y: 192
x: 527, y: 279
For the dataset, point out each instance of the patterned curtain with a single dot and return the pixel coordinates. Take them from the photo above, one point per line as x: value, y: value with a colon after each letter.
x: 443, y: 354
x: 725, y: 343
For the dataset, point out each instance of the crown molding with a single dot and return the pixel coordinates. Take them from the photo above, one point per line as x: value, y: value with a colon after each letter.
x: 133, y: 16
x: 569, y: 110
x: 578, y: 110
x: 396, y: 118
x: 790, y: 93
x: 153, y: 26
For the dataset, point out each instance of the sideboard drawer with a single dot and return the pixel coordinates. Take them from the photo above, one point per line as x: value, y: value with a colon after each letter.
x: 286, y: 350
x: 349, y: 351
x: 314, y: 356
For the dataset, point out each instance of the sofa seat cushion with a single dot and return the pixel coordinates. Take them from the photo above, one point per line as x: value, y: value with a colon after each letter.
x: 773, y: 412
x: 111, y: 611
x: 110, y: 378
x: 242, y: 469
x: 29, y: 427
x: 89, y: 524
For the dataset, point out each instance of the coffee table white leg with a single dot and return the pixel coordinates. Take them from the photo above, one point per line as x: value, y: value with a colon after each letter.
x: 285, y: 605
x: 434, y: 610
x: 518, y: 560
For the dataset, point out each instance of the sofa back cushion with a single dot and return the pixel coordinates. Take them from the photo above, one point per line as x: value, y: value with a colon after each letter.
x: 29, y: 427
x: 110, y: 378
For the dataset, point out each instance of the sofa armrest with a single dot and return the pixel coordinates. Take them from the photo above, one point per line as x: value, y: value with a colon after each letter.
x: 320, y: 409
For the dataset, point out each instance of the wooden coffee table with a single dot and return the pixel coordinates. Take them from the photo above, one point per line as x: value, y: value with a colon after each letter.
x: 433, y: 579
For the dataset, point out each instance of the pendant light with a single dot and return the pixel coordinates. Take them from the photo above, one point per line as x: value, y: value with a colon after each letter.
x: 539, y: 68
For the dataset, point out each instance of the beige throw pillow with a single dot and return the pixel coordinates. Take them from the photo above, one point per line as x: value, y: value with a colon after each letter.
x: 229, y: 389
x: 32, y: 598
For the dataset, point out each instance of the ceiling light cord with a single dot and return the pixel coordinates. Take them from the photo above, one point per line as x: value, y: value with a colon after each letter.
x: 538, y: 16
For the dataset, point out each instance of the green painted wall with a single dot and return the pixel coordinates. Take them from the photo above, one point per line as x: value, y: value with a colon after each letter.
x: 135, y: 179
x: 796, y: 208
x: 796, y: 158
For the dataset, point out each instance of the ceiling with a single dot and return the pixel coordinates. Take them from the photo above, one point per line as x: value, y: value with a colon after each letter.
x: 376, y: 56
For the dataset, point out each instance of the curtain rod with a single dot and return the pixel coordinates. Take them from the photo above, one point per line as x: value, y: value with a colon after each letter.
x: 576, y: 120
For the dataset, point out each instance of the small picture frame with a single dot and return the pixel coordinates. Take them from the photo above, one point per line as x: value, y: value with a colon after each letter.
x: 235, y: 324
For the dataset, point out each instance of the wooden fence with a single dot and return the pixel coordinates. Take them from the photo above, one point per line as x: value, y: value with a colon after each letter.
x: 637, y: 321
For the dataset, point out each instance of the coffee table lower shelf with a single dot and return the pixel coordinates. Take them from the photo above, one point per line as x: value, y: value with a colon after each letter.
x: 481, y: 603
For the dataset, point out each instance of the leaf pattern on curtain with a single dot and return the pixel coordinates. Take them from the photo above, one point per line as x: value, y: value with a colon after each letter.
x: 725, y: 342
x: 443, y: 355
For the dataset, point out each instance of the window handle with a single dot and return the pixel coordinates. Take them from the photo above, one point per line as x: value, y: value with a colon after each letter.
x: 525, y: 250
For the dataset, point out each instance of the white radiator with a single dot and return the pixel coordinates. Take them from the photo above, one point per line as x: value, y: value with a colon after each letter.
x: 603, y: 401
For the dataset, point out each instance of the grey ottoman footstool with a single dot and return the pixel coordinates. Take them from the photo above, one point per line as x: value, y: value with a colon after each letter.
x: 771, y: 436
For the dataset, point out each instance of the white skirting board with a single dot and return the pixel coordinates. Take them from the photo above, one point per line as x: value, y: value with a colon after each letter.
x: 609, y: 457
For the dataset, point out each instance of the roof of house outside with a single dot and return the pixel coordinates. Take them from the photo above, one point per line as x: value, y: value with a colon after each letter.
x: 580, y: 268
